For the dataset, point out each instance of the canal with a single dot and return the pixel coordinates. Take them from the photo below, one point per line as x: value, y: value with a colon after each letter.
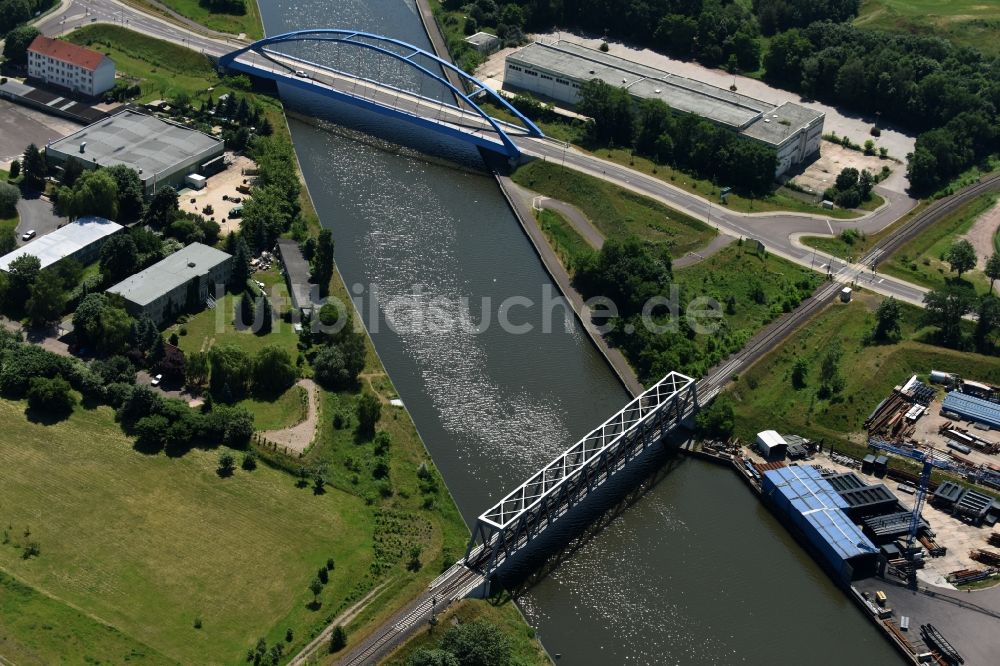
x: 697, y: 571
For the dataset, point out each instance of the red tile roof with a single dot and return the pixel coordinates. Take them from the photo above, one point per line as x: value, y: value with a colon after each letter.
x: 67, y: 52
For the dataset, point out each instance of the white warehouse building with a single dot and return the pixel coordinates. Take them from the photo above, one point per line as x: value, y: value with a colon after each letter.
x: 556, y: 71
x: 77, y: 68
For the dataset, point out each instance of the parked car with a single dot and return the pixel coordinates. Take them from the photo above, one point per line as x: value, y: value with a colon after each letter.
x: 156, y: 380
x: 302, y: 75
x: 28, y: 235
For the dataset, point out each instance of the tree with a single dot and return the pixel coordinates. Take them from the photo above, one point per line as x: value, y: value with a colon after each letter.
x: 273, y: 371
x: 241, y: 269
x: 9, y: 196
x: 847, y: 178
x: 93, y: 193
x: 247, y: 311
x: 338, y: 639
x: 266, y: 315
x: 887, y: 318
x: 961, y: 256
x: 944, y: 308
x: 478, y: 644
x: 316, y: 586
x: 16, y: 43
x: 8, y: 243
x: 227, y: 464
x: 369, y: 412
x: 799, y: 372
x: 50, y: 395
x: 334, y: 369
x: 717, y: 420
x: 231, y: 372
x: 47, y: 299
x: 992, y: 269
x: 196, y: 371
x: 437, y: 657
x: 22, y: 273
x: 131, y: 199
x: 831, y: 381
x: 610, y: 107
x: 987, y: 323
x: 866, y: 182
x: 34, y: 167
x: 71, y: 171
x: 322, y: 268
x: 119, y: 258
x: 15, y: 169
x: 162, y: 209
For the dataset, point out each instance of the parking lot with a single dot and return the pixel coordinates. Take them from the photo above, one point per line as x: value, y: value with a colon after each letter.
x: 20, y: 126
x: 37, y: 214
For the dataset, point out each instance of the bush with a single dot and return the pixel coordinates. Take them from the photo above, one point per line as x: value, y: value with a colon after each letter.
x: 9, y: 196
x: 53, y: 396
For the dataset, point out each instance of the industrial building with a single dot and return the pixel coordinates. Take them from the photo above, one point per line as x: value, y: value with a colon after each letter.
x: 557, y: 71
x: 184, y: 281
x: 80, y: 240
x: 64, y: 64
x: 162, y: 152
x: 802, y: 498
x: 771, y: 445
x: 971, y: 408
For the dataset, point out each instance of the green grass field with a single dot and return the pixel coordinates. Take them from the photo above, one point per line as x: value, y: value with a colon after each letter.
x: 215, y: 327
x: 974, y: 23
x: 525, y: 648
x: 921, y: 260
x: 765, y: 397
x: 284, y: 411
x: 147, y: 544
x: 614, y: 210
x: 37, y: 629
x: 568, y: 244
x: 248, y: 23
x: 163, y: 69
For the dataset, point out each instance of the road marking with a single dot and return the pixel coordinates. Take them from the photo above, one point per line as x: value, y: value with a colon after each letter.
x: 830, y: 227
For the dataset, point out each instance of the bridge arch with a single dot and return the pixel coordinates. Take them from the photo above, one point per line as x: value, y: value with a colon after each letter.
x: 383, y: 46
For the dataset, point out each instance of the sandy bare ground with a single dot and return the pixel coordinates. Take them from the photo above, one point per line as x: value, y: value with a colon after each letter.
x: 822, y: 173
x: 217, y: 186
x: 981, y: 234
x: 299, y: 437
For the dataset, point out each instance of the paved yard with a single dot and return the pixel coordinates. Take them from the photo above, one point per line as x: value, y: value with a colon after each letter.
x: 20, y: 126
x: 217, y: 186
x: 37, y: 214
x: 822, y: 173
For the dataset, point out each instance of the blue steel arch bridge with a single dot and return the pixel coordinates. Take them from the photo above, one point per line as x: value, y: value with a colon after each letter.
x: 290, y: 59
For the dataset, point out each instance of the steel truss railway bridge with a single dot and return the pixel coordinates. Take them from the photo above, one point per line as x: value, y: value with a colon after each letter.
x: 463, y: 118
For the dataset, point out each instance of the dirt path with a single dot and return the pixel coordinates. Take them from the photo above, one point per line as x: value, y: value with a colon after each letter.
x: 299, y: 437
x: 720, y: 241
x: 981, y: 234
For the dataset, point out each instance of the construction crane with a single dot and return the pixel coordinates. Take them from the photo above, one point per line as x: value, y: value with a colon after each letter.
x: 925, y: 476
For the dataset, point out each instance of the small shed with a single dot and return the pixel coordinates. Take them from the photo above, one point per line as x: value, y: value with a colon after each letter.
x: 771, y: 445
x: 845, y: 294
x: 484, y: 42
x: 196, y: 181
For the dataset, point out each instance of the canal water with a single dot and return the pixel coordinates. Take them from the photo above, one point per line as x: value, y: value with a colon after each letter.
x: 697, y: 571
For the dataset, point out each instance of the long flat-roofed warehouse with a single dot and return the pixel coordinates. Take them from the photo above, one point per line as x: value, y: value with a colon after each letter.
x: 80, y: 240
x: 185, y: 280
x: 163, y: 152
x: 558, y: 70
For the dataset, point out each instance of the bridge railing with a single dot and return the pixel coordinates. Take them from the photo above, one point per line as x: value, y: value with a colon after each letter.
x: 534, y: 505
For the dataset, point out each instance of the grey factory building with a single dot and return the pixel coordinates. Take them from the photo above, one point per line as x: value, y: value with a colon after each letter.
x: 163, y: 152
x: 556, y: 71
x: 183, y: 281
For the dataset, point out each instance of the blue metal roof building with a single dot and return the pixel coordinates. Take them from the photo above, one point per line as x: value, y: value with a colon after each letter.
x: 810, y: 504
x: 972, y: 408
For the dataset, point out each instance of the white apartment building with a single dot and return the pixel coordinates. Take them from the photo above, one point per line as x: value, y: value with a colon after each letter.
x: 77, y: 68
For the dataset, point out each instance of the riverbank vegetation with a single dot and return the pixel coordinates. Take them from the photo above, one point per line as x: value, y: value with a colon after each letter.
x: 827, y: 378
x: 464, y: 623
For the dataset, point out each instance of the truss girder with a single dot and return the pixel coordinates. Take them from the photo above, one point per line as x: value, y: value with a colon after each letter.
x: 560, y: 485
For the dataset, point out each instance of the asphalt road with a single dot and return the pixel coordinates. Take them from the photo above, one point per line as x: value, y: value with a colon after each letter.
x: 36, y: 214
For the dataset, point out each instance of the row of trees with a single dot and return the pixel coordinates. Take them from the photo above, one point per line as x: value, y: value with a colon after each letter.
x: 15, y: 12
x: 273, y: 204
x: 234, y: 374
x: 652, y: 129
